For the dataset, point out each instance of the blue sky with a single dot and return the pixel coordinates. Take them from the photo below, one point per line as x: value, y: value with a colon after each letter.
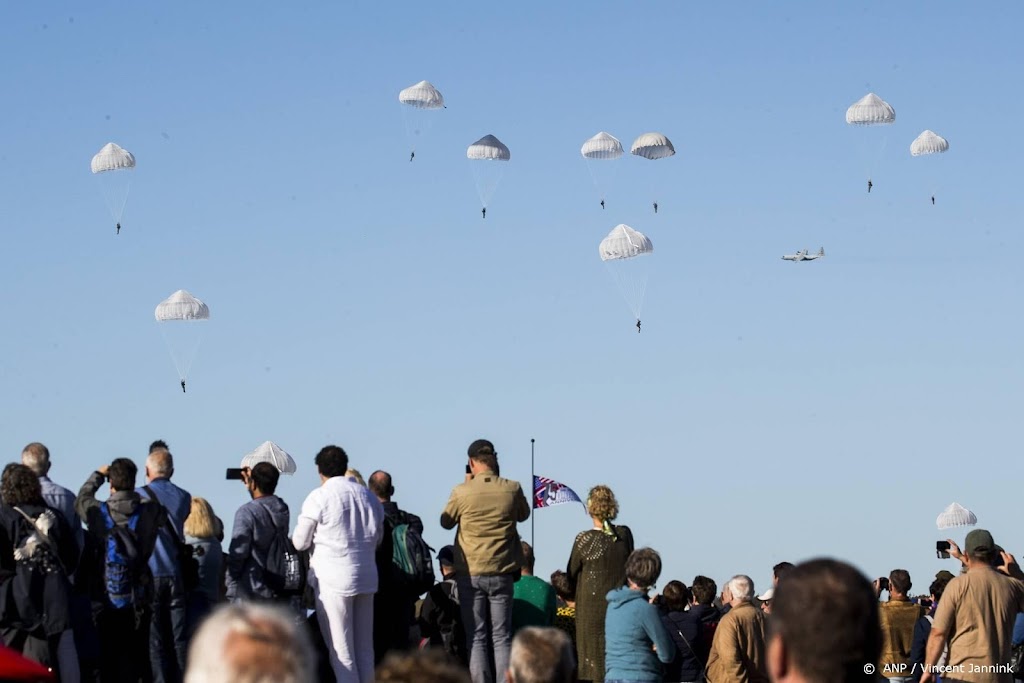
x: 768, y: 411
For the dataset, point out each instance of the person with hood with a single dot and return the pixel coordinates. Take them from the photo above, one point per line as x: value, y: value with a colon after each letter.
x: 635, y: 638
x: 256, y: 525
x: 122, y: 623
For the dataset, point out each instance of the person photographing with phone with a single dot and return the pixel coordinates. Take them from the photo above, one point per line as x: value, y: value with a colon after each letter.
x: 253, y: 532
x: 897, y: 618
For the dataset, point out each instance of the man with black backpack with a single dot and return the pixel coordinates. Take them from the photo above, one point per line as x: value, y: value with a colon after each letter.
x: 122, y: 531
x: 403, y: 576
x: 256, y: 553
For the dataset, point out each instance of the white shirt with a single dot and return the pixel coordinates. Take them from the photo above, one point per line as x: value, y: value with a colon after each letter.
x: 345, y: 523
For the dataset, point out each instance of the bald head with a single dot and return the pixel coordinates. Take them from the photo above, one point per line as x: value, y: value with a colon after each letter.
x: 380, y: 484
x: 159, y: 465
x: 36, y: 457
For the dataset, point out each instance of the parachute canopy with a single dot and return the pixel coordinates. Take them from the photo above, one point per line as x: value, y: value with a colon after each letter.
x: 112, y: 158
x: 928, y: 143
x: 652, y: 146
x: 624, y: 242
x: 602, y: 146
x: 423, y: 95
x: 955, y: 515
x: 488, y: 148
x: 870, y: 110
x: 268, y: 451
x: 182, y: 306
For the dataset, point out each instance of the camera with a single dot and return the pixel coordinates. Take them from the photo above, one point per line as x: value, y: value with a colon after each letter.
x: 883, y: 584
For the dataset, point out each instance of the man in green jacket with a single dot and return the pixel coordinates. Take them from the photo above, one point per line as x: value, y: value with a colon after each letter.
x: 488, y: 558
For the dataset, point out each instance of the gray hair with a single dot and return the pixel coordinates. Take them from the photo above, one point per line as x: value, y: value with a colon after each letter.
x: 741, y: 587
x: 36, y: 457
x: 160, y: 464
x: 541, y: 655
x: 251, y: 643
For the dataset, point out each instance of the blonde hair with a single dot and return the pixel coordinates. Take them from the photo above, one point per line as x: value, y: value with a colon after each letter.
x: 354, y: 475
x: 201, y: 522
x: 601, y: 503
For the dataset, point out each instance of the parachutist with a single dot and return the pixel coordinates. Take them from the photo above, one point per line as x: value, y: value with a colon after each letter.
x: 655, y: 207
x: 483, y: 212
x: 119, y: 225
x: 638, y: 325
x: 183, y: 386
x: 933, y: 200
x: 602, y: 204
x: 412, y: 155
x: 870, y: 185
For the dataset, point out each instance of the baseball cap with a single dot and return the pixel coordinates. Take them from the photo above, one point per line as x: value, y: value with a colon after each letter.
x: 944, y: 576
x: 446, y: 555
x: 767, y: 595
x: 481, y: 447
x: 978, y: 539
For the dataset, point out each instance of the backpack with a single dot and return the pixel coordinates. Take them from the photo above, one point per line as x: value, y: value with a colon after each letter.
x: 36, y: 552
x: 124, y: 568
x: 412, y: 559
x: 285, y: 573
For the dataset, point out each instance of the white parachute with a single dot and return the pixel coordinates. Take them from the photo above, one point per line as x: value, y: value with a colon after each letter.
x: 928, y: 143
x: 487, y: 156
x: 871, y: 111
x: 598, y: 152
x: 114, y: 166
x: 420, y: 103
x: 955, y: 515
x: 621, y: 250
x: 268, y: 451
x: 652, y: 146
x: 180, y: 317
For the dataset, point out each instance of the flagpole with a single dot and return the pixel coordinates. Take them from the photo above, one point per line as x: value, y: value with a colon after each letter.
x: 533, y: 506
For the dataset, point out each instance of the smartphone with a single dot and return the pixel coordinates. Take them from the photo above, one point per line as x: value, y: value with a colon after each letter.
x: 883, y: 583
x: 234, y: 473
x: 469, y: 470
x: 942, y: 550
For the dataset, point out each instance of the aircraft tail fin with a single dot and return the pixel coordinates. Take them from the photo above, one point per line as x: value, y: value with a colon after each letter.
x: 821, y: 252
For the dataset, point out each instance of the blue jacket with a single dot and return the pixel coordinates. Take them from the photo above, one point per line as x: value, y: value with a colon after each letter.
x: 249, y: 551
x: 631, y: 627
x: 63, y: 500
x: 178, y: 501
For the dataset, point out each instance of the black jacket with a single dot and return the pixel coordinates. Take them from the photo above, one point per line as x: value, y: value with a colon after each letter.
x: 686, y: 630
x: 34, y: 594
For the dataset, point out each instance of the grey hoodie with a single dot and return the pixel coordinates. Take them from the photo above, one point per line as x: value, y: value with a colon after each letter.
x: 251, y: 537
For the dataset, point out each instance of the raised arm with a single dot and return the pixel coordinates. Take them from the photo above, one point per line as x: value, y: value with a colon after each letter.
x: 86, y: 499
x: 451, y: 514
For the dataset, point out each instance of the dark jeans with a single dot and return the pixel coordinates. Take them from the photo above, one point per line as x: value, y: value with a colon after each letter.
x: 123, y: 636
x: 168, y: 644
x: 486, y: 604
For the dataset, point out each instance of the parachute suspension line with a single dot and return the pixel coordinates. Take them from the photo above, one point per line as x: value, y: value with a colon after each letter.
x: 184, y: 357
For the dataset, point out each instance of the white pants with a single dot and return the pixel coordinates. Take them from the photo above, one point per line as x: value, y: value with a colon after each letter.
x: 346, y: 622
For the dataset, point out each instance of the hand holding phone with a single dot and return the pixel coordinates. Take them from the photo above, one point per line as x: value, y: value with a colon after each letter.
x: 942, y: 550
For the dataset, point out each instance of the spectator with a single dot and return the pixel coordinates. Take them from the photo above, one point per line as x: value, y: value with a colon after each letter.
x: 533, y: 599
x: 635, y: 637
x: 684, y: 627
x: 158, y: 445
x: 201, y: 535
x: 440, y: 616
x: 977, y: 611
x: 168, y: 642
x: 780, y: 570
x: 703, y: 609
x: 394, y: 604
x: 923, y: 627
x: 898, y: 618
x: 123, y: 628
x: 738, y: 650
x: 37, y: 553
x: 250, y: 643
x: 36, y: 457
x: 541, y: 655
x: 355, y: 476
x: 824, y: 626
x: 597, y: 565
x: 488, y: 558
x: 346, y: 524
x: 257, y: 524
x: 424, y: 666
x: 766, y: 600
x: 565, y: 613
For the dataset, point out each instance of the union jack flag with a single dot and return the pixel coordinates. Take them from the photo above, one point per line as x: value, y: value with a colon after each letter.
x: 548, y: 492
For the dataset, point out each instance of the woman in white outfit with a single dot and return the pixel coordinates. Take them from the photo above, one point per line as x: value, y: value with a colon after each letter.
x: 344, y: 523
